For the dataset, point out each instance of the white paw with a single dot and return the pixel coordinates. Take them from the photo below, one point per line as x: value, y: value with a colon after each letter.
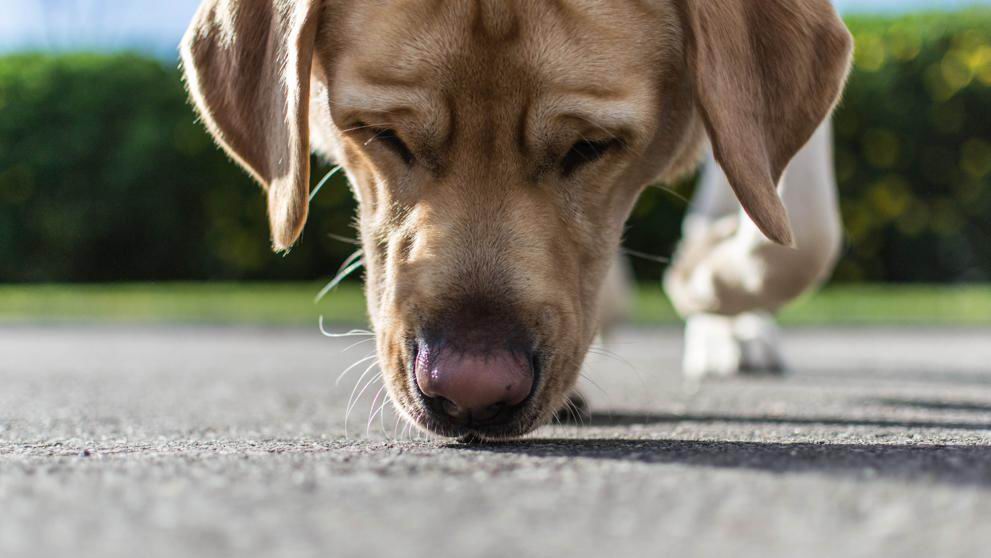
x: 710, y: 348
x: 722, y: 346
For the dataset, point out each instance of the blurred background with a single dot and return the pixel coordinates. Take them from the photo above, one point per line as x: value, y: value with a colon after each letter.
x: 111, y: 191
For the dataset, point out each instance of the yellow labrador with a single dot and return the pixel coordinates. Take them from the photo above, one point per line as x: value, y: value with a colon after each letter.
x: 496, y: 148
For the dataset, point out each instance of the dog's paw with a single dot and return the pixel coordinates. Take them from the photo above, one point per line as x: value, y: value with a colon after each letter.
x: 759, y: 340
x: 722, y: 346
x: 710, y: 348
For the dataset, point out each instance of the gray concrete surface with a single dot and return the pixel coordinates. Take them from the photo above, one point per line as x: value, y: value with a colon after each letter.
x: 187, y: 442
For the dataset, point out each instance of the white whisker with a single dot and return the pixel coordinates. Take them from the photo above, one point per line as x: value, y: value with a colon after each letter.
x: 356, y: 398
x: 356, y: 343
x: 372, y: 411
x: 342, y: 275
x: 356, y: 363
x: 352, y: 333
x: 324, y: 181
x: 594, y: 384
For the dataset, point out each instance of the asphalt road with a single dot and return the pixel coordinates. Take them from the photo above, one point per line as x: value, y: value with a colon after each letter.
x: 186, y: 442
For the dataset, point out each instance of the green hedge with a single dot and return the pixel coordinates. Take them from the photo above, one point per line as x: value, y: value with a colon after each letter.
x: 104, y: 175
x: 913, y: 149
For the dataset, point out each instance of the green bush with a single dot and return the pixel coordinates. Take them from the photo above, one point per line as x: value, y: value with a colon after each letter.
x: 913, y: 149
x: 105, y: 175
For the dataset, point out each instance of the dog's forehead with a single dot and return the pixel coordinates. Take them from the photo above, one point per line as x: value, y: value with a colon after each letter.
x: 414, y: 48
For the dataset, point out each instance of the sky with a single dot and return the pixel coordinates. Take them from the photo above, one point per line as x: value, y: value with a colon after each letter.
x: 157, y: 25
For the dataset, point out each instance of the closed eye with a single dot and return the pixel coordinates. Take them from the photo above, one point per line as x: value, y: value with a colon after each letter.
x: 391, y: 140
x: 585, y: 152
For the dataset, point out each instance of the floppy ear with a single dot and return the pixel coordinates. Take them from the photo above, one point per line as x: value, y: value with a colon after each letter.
x: 247, y: 66
x: 767, y: 73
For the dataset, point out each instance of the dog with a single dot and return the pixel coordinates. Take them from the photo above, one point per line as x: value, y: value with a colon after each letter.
x: 496, y: 149
x: 727, y: 280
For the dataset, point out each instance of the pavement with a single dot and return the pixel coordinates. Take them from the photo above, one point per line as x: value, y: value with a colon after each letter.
x: 200, y: 441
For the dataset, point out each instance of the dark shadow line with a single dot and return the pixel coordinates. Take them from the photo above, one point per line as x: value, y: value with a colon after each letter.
x: 982, y: 378
x: 932, y: 405
x: 945, y: 464
x: 615, y: 419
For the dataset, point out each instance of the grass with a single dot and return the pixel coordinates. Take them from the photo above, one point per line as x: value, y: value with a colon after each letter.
x: 291, y: 304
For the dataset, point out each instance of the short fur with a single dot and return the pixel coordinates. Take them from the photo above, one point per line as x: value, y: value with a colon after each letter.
x: 489, y: 96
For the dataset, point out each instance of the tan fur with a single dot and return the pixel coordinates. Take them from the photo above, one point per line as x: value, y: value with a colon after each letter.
x: 489, y: 96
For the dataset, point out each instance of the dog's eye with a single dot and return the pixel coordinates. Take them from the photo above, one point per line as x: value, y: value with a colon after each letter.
x: 584, y: 152
x: 391, y: 140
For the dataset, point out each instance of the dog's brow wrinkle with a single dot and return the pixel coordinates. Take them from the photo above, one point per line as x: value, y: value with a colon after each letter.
x: 378, y: 77
x: 521, y: 128
x: 593, y: 91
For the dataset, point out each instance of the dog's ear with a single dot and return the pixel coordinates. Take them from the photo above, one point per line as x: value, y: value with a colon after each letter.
x: 247, y: 65
x: 767, y: 73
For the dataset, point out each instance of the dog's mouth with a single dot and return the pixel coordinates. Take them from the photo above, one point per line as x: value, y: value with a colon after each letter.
x: 474, y: 395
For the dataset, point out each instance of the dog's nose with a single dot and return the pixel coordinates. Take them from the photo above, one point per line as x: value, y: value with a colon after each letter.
x: 473, y: 387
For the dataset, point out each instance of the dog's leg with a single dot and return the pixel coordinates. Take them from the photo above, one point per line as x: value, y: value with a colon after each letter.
x: 722, y: 346
x: 710, y: 349
x: 759, y: 340
x: 726, y: 267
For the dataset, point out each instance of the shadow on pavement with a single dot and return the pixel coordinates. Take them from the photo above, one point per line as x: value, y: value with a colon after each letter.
x: 950, y: 406
x: 980, y: 378
x: 948, y: 464
x: 944, y: 464
x: 631, y: 419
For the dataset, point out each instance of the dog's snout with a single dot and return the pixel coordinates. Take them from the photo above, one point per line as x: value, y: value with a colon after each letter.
x: 473, y: 387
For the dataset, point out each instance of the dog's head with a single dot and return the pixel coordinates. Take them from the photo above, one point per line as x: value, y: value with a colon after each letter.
x: 496, y: 148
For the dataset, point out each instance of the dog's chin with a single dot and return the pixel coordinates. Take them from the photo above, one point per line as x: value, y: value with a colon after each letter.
x: 527, y: 419
x: 478, y: 434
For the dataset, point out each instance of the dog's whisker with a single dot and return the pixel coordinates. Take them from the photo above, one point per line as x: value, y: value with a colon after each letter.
x: 395, y: 428
x: 354, y: 390
x: 372, y: 411
x: 344, y: 239
x: 376, y: 136
x: 672, y: 192
x: 576, y: 413
x: 326, y: 178
x: 594, y: 384
x: 351, y: 333
x: 645, y: 256
x: 353, y: 365
x: 356, y: 343
x: 351, y: 259
x: 356, y: 398
x: 357, y: 383
x: 382, y: 415
x: 602, y: 351
x: 364, y: 127
x: 341, y: 275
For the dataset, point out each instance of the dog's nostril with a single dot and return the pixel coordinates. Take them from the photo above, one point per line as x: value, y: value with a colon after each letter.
x: 450, y: 408
x: 473, y: 387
